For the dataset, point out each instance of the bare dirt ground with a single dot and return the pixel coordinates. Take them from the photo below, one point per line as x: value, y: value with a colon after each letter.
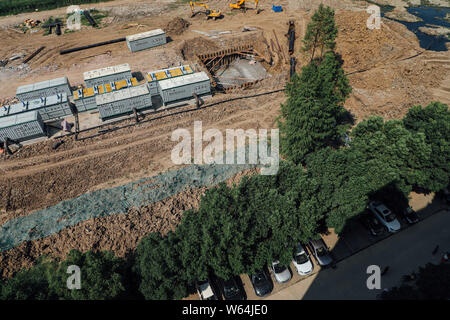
x: 385, y: 83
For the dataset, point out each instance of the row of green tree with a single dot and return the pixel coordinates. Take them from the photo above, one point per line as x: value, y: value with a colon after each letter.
x: 10, y: 7
x: 321, y: 184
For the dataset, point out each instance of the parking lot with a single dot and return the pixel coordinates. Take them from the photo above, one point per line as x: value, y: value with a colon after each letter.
x: 355, y: 239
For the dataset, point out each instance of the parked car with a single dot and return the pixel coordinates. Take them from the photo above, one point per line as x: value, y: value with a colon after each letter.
x: 446, y: 194
x: 261, y: 283
x: 230, y: 289
x: 301, y: 261
x: 205, y: 290
x: 386, y: 216
x: 372, y: 224
x: 410, y: 215
x: 320, y: 252
x: 281, y: 272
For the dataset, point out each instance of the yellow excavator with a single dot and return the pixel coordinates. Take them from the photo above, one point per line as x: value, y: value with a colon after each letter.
x: 240, y: 4
x: 210, y: 13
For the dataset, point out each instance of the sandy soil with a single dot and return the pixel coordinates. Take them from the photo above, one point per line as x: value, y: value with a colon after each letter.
x: 385, y: 83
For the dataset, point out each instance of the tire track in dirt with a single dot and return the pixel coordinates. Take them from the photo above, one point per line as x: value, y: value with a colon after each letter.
x: 37, y: 186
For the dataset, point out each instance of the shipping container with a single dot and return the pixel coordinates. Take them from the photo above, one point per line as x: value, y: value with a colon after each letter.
x: 181, y: 88
x: 122, y: 102
x: 44, y: 89
x: 154, y: 77
x: 146, y: 40
x: 106, y: 75
x: 22, y: 126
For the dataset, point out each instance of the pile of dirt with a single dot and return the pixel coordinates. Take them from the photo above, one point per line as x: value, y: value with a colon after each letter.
x: 190, y: 48
x: 176, y: 26
x: 118, y: 233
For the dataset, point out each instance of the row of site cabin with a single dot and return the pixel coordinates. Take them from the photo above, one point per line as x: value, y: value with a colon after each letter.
x: 113, y: 91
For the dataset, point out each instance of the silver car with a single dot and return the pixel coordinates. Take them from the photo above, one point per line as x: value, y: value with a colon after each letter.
x: 385, y: 216
x: 281, y: 273
x: 320, y: 251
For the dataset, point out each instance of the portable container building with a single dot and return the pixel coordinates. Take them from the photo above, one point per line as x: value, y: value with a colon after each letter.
x: 22, y: 126
x: 146, y: 40
x: 44, y: 89
x: 106, y: 75
x: 122, y: 102
x: 181, y: 88
x: 154, y: 76
x: 50, y: 108
x: 84, y: 99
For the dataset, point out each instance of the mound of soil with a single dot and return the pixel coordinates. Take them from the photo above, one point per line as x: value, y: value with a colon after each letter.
x: 193, y: 47
x: 176, y: 26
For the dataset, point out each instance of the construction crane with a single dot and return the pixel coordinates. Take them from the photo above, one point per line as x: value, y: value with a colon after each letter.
x: 210, y: 13
x: 240, y: 4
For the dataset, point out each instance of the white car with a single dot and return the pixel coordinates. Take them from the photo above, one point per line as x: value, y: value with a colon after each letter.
x: 281, y: 273
x: 301, y: 261
x: 386, y: 217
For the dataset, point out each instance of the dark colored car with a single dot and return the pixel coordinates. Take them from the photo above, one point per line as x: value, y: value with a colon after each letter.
x: 446, y: 195
x: 230, y: 289
x: 372, y: 224
x: 410, y: 215
x: 261, y: 283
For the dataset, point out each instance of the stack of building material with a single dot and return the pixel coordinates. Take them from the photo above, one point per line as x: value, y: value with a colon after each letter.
x: 84, y: 99
x: 146, y: 40
x: 44, y: 89
x: 106, y: 75
x: 122, y: 102
x: 154, y: 77
x: 22, y: 126
x: 181, y: 88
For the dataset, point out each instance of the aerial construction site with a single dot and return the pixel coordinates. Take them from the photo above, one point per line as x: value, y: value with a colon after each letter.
x: 87, y: 110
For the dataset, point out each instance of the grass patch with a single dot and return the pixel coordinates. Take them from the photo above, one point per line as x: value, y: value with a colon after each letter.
x: 12, y: 7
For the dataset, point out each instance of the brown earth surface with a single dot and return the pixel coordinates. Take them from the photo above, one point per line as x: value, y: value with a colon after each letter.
x: 388, y: 70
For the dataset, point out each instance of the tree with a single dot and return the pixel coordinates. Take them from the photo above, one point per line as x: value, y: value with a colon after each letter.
x: 433, y: 122
x: 30, y: 284
x: 159, y: 267
x: 101, y: 276
x: 312, y: 116
x: 321, y: 32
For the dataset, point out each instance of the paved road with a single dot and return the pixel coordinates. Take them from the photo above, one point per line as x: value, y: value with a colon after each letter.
x: 403, y: 253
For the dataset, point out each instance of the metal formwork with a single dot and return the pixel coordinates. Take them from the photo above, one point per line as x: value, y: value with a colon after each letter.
x: 181, y: 88
x: 22, y: 126
x: 146, y: 40
x: 123, y: 102
x: 44, y: 89
x: 107, y: 75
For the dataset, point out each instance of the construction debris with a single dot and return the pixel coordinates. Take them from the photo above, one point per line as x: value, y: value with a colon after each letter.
x: 34, y: 54
x: 245, y: 29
